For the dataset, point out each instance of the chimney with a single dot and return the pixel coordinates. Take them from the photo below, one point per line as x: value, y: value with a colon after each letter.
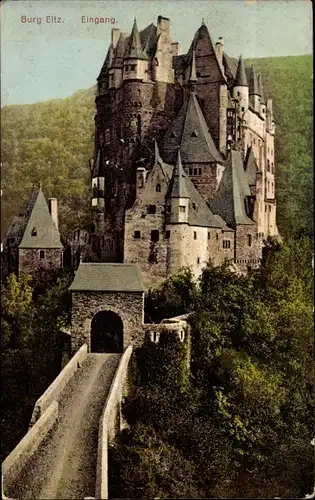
x: 163, y: 24
x: 115, y: 36
x: 219, y: 49
x: 175, y: 48
x: 53, y: 209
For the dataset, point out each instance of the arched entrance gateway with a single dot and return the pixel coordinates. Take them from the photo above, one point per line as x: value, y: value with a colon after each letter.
x: 107, y: 332
x: 107, y: 307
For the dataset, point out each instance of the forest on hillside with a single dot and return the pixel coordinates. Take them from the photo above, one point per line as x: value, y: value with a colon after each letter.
x: 52, y: 141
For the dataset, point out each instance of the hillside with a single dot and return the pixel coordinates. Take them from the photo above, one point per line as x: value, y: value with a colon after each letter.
x: 53, y: 141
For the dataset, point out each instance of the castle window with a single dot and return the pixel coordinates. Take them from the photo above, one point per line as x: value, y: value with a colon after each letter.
x: 167, y: 235
x: 226, y: 244
x: 182, y: 209
x: 198, y: 260
x: 249, y: 240
x: 173, y: 134
x: 217, y: 236
x: 34, y: 232
x: 238, y: 93
x: 199, y: 171
x: 190, y: 171
x: 195, y: 207
x: 195, y: 235
x: 254, y: 140
x: 208, y: 235
x: 132, y: 67
x: 107, y: 136
x: 269, y: 208
x: 169, y: 208
x: 155, y: 235
x: 137, y: 235
x: 194, y: 133
x: 268, y: 166
x: 243, y: 109
x: 195, y: 171
x: 151, y: 209
x: 158, y: 188
x: 42, y: 254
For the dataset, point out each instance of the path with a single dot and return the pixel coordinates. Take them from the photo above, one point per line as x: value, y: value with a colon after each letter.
x: 65, y: 465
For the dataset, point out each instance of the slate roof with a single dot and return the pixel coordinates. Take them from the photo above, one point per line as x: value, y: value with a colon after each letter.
x: 134, y: 46
x: 178, y: 187
x: 199, y: 214
x: 251, y: 167
x: 189, y: 130
x: 240, y: 78
x: 36, y: 216
x: 229, y: 200
x: 107, y: 277
x: 107, y: 62
x: 253, y: 82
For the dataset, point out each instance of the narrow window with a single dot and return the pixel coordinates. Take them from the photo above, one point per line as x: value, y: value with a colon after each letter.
x: 158, y: 188
x: 268, y: 165
x: 182, y: 209
x: 217, y: 236
x: 195, y: 235
x: 249, y: 240
x: 190, y: 171
x: 155, y: 235
x: 151, y: 209
x: 42, y: 254
x: 195, y: 171
x: 139, y: 125
x: 132, y: 67
x: 107, y: 136
x: 137, y: 234
x: 169, y: 208
x: 34, y: 232
x: 243, y: 109
x: 198, y: 260
x: 208, y: 235
x: 167, y: 235
x: 199, y: 171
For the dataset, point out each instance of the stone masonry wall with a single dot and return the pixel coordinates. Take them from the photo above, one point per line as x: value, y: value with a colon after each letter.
x: 246, y: 255
x: 30, y: 261
x: 128, y: 305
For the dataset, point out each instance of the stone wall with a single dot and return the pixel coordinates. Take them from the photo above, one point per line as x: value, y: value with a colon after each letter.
x: 247, y: 255
x: 206, y: 183
x: 128, y: 305
x: 110, y: 423
x: 56, y: 388
x: 30, y: 259
x: 27, y: 447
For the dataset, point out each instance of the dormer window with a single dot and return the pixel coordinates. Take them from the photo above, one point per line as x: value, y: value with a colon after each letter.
x: 195, y: 207
x: 34, y: 232
x: 194, y: 133
x: 151, y: 209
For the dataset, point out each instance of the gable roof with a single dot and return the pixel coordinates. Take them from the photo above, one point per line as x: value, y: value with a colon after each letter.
x: 107, y: 277
x: 39, y: 229
x: 189, y: 130
x: 229, y: 200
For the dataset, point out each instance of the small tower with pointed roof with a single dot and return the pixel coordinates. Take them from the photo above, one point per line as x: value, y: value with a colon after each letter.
x: 135, y: 60
x: 254, y: 91
x: 240, y: 87
x: 178, y: 197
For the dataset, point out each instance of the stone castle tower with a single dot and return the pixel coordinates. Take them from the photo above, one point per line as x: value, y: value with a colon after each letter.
x: 197, y: 121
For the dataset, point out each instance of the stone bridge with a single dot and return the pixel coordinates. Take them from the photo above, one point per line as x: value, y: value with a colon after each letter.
x: 64, y: 454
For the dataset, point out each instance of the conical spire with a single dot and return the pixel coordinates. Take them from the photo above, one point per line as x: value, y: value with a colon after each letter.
x: 253, y: 82
x: 240, y: 78
x: 134, y: 48
x: 261, y: 89
x: 156, y: 152
x: 193, y: 73
x: 178, y: 182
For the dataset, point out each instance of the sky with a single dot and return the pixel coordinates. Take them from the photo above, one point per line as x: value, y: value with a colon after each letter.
x: 43, y: 59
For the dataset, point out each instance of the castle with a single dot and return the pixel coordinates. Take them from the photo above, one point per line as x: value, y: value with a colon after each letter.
x: 184, y: 167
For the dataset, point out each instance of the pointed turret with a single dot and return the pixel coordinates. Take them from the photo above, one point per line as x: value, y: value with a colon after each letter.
x: 254, y: 91
x: 240, y: 78
x: 240, y: 87
x: 134, y: 47
x: 193, y: 73
x: 179, y: 193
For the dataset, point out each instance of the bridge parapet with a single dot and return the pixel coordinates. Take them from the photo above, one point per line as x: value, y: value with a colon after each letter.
x: 109, y: 422
x: 55, y: 389
x: 27, y: 447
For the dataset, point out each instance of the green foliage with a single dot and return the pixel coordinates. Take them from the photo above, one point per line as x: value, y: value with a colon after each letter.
x: 245, y: 421
x: 32, y: 313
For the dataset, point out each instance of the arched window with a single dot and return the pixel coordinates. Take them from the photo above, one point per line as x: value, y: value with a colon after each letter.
x: 158, y: 188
